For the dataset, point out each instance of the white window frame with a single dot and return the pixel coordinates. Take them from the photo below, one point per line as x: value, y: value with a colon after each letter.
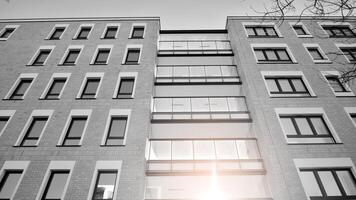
x: 101, y: 47
x: 75, y: 113
x: 32, y: 76
x: 48, y: 47
x: 330, y: 23
x: 123, y: 75
x: 35, y: 113
x: 109, y: 26
x: 306, y: 111
x: 339, y: 46
x: 14, y: 165
x: 65, y: 26
x: 129, y: 47
x: 51, y: 80
x: 8, y: 27
x: 85, y: 80
x: 272, y: 45
x: 9, y: 114
x: 144, y: 25
x: 301, y: 163
x: 53, y: 166
x: 72, y: 47
x: 105, y: 165
x: 296, y: 74
x: 116, y: 113
x: 348, y: 93
x: 80, y: 28
x: 308, y: 34
x: 349, y: 111
x: 266, y: 24
x: 326, y: 60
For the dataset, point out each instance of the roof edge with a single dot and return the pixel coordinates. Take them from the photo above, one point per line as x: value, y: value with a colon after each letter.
x: 295, y: 17
x: 193, y: 31
x: 81, y: 19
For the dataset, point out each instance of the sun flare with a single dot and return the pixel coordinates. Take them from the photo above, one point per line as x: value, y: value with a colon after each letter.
x: 214, y: 193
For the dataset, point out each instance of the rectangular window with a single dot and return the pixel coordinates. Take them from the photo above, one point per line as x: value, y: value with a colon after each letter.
x: 111, y: 32
x: 117, y: 130
x: 71, y: 57
x: 57, y: 33
x: 126, y: 88
x: 34, y: 131
x: 9, y: 182
x: 7, y: 32
x: 350, y: 53
x: 90, y: 88
x: 75, y: 130
x: 21, y: 89
x: 299, y: 30
x: 132, y: 56
x: 83, y: 33
x: 56, y: 88
x: 105, y: 185
x: 3, y: 122
x: 336, y: 84
x: 315, y: 53
x: 272, y: 55
x: 56, y: 185
x: 339, y: 31
x: 5, y: 117
x: 41, y: 57
x: 137, y: 32
x: 261, y: 31
x: 102, y: 56
x: 287, y: 86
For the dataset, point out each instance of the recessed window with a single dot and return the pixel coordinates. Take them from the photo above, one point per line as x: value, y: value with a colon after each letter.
x: 294, y: 86
x: 126, y: 88
x: 75, y: 131
x: 21, y: 89
x: 105, y: 185
x: 41, y: 57
x: 336, y: 84
x: 338, y: 87
x: 9, y: 182
x: 90, y: 88
x: 3, y: 122
x: 71, y: 57
x: 261, y: 31
x: 137, y: 32
x: 299, y: 30
x: 102, y: 57
x: 7, y: 32
x: 57, y: 33
x: 116, y: 131
x: 55, y: 185
x: 34, y: 131
x: 350, y: 53
x: 316, y: 53
x: 83, y: 32
x: 111, y: 32
x: 339, y: 31
x: 56, y: 88
x: 351, y: 112
x: 133, y: 56
x: 272, y: 55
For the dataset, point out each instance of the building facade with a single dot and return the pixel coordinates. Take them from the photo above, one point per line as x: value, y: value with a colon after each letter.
x: 116, y: 108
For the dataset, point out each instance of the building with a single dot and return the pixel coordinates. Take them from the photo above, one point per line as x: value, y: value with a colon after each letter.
x: 116, y: 108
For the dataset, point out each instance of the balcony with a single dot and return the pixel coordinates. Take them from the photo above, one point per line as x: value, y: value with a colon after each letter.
x: 195, y: 47
x: 182, y: 74
x: 200, y: 108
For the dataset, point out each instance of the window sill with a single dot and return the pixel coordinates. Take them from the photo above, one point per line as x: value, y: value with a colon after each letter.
x: 69, y: 65
x: 322, y: 61
x: 130, y: 64
x: 286, y: 96
x: 136, y: 38
x: 122, y: 98
x: 276, y: 62
x: 264, y: 36
x: 18, y: 146
x: 80, y: 98
x: 44, y: 99
x: 74, y: 145
x: 52, y: 39
x: 12, y: 99
x: 108, y: 38
x: 344, y: 94
x: 304, y: 36
x: 33, y: 65
x: 98, y: 64
x: 79, y: 38
x: 118, y: 145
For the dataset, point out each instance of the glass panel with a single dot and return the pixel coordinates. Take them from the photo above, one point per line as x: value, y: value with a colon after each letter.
x: 164, y: 45
x: 314, y: 52
x: 76, y: 127
x: 111, y: 32
x: 72, y: 57
x: 204, y: 150
x: 299, y: 85
x: 57, y: 33
x: 84, y: 32
x: 8, y: 183
x: 285, y: 86
x: 218, y: 104
x: 303, y: 126
x: 310, y: 184
x: 236, y: 104
x: 105, y: 186
x: 36, y: 127
x: 223, y: 45
x: 90, y: 89
x: 271, y: 55
x: 329, y: 183
x: 197, y: 71
x: 348, y: 32
x: 226, y: 149
x: 212, y: 71
x: 181, y: 71
x: 102, y: 56
x: 299, y: 30
x: 21, y: 89
x: 252, y: 149
x: 133, y: 56
x: 288, y: 126
x: 56, y: 87
x: 283, y: 55
x: 3, y: 121
x: 272, y: 86
x: 195, y: 46
x: 160, y: 150
x: 348, y: 181
x: 117, y: 127
x: 163, y: 105
x: 182, y: 150
x: 335, y: 84
x: 180, y: 45
x: 271, y: 31
x: 164, y: 71
x: 138, y: 32
x: 126, y: 86
x: 259, y: 54
x: 55, y: 185
x: 260, y: 31
x: 200, y: 104
x: 250, y: 31
x: 242, y: 149
x: 209, y: 45
x: 229, y: 71
x: 319, y: 125
x: 7, y: 33
x: 42, y: 57
x: 181, y: 105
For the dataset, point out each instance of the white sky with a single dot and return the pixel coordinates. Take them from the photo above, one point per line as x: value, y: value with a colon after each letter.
x: 174, y: 14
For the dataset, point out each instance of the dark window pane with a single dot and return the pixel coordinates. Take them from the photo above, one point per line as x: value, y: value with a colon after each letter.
x: 90, y: 88
x: 75, y: 131
x: 55, y: 89
x: 57, y: 33
x: 315, y: 53
x: 350, y: 53
x: 353, y: 116
x: 283, y: 55
x: 271, y: 55
x: 116, y: 132
x: 259, y: 54
x: 336, y: 84
x: 21, y: 89
x: 299, y: 85
x: 7, y: 32
x: 260, y: 31
x: 110, y: 32
x: 71, y: 57
x: 270, y: 31
x: 299, y: 30
x: 34, y: 131
x: 105, y: 185
x: 320, y: 126
x: 303, y: 126
x: 285, y: 85
x: 102, y: 56
x: 3, y: 121
x: 55, y: 185
x: 41, y: 57
x: 8, y: 183
x: 138, y: 32
x: 126, y: 87
x: 339, y: 31
x: 132, y: 56
x: 250, y: 31
x: 84, y: 32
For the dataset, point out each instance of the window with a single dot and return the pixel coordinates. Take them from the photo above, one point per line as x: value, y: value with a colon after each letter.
x: 272, y: 55
x: 261, y: 31
x: 71, y: 55
x: 339, y: 31
x: 111, y: 31
x: 84, y: 31
x: 21, y: 87
x: 57, y: 31
x: 335, y: 84
x: 55, y: 86
x: 102, y: 57
x: 316, y: 53
x: 305, y: 125
x: 11, y: 175
x: 300, y: 29
x: 287, y: 85
x: 351, y: 112
x: 74, y: 128
x: 116, y: 127
x: 350, y: 53
x: 41, y: 57
x: 7, y: 31
x: 34, y: 131
x: 138, y: 32
x: 133, y: 56
x: 55, y: 182
x: 125, y: 86
x: 105, y: 180
x: 338, y: 88
x: 5, y: 117
x: 90, y: 88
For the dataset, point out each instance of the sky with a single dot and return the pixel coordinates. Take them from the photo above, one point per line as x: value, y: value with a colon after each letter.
x: 174, y: 14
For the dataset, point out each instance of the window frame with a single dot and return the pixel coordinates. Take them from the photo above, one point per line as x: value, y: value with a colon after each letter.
x: 37, y: 53
x: 348, y: 92
x: 138, y: 25
x: 74, y: 114
x: 49, y: 36
x: 306, y: 111
x: 55, y: 76
x: 9, y: 114
x: 66, y: 53
x: 351, y: 111
x: 14, y: 166
x: 58, y: 165
x: 90, y: 75
x: 116, y: 113
x: 111, y: 25
x: 124, y: 75
x: 91, y: 26
x: 273, y: 46
x: 262, y: 24
x: 132, y: 47
x: 338, y: 25
x: 105, y: 165
x: 287, y: 74
x: 34, y: 114
x: 325, y: 59
x: 99, y: 48
x: 21, y: 77
x: 10, y: 26
x: 300, y: 24
x: 340, y: 46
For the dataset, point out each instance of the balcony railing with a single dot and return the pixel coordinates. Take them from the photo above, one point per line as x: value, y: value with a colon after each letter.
x: 197, y: 74
x: 199, y: 108
x: 195, y: 47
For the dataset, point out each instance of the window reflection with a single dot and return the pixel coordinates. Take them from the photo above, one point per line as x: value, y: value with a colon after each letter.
x: 195, y: 47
